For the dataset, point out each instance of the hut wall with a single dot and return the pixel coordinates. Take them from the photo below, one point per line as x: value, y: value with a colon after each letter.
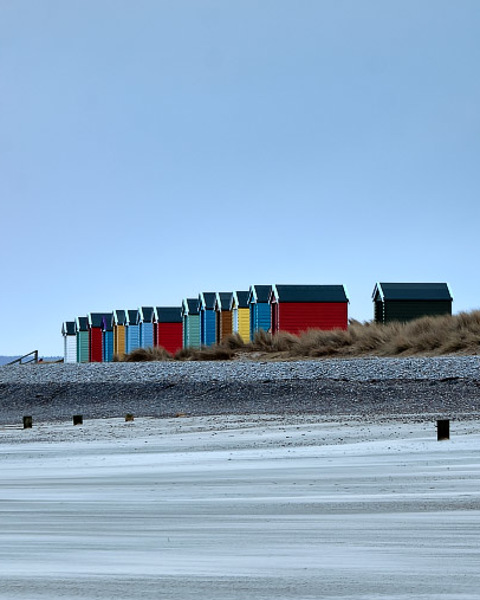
x: 260, y: 315
x: 131, y: 338
x: 95, y: 339
x: 107, y: 346
x: 243, y: 323
x: 208, y: 327
x: 119, y: 339
x: 169, y: 336
x: 191, y: 331
x: 82, y: 347
x: 407, y: 310
x: 70, y: 349
x: 295, y: 317
x: 146, y: 335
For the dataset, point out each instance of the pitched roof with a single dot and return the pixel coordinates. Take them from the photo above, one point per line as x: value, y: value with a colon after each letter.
x: 107, y: 323
x: 240, y: 299
x: 119, y: 317
x: 223, y: 300
x: 145, y: 314
x: 96, y: 319
x: 168, y: 314
x: 81, y: 324
x: 68, y: 328
x: 131, y: 317
x: 411, y: 291
x: 309, y: 293
x: 259, y: 293
x: 190, y: 306
x: 206, y: 300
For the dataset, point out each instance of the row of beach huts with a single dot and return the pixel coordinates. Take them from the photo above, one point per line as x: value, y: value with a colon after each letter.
x: 213, y: 316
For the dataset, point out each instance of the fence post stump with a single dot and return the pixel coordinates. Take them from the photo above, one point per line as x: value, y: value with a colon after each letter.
x: 27, y: 422
x: 129, y: 417
x: 443, y: 429
x: 78, y: 419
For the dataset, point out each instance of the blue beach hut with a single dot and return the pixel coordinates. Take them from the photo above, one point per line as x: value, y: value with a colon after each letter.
x: 145, y: 326
x: 107, y: 346
x: 206, y: 308
x: 131, y: 331
x: 260, y: 310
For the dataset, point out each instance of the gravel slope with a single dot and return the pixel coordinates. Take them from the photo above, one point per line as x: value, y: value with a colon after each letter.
x: 443, y: 386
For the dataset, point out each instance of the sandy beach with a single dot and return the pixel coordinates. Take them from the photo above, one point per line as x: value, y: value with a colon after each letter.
x: 233, y: 507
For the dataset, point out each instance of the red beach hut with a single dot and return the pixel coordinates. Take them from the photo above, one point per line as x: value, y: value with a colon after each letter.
x: 296, y: 308
x: 95, y: 336
x: 168, y: 328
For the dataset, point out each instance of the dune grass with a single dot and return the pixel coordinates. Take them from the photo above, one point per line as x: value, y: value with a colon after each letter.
x: 428, y: 336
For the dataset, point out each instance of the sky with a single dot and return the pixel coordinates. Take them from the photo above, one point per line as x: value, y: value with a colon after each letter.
x: 151, y: 150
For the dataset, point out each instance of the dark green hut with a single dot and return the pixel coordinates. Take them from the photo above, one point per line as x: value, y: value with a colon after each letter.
x: 408, y: 301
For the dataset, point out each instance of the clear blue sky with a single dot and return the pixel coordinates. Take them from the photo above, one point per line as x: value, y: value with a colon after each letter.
x: 151, y: 150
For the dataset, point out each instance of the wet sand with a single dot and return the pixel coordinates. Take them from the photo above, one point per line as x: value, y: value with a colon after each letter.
x: 233, y: 507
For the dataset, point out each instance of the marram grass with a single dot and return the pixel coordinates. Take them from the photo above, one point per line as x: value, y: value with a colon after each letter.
x: 428, y: 336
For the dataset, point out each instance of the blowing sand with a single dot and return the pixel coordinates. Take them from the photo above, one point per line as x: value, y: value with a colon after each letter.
x: 217, y: 507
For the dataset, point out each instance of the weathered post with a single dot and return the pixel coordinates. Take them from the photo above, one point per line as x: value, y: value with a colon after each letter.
x: 129, y: 417
x: 78, y: 419
x: 443, y: 429
x: 27, y: 422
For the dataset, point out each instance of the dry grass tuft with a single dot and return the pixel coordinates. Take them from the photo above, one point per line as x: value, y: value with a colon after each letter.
x: 205, y: 353
x: 147, y: 354
x: 233, y: 342
x: 428, y: 336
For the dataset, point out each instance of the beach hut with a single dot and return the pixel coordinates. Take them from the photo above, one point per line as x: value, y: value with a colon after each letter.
x: 240, y: 314
x: 131, y: 331
x: 408, y: 301
x: 168, y: 328
x: 81, y: 333
x: 69, y: 342
x: 107, y: 341
x: 223, y: 315
x: 190, y: 323
x: 296, y: 308
x: 119, y: 320
x: 145, y: 326
x: 95, y: 335
x: 206, y: 307
x: 260, y: 312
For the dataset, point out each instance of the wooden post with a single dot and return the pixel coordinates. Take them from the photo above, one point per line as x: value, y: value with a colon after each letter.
x: 78, y: 419
x: 443, y: 429
x: 129, y: 417
x: 27, y: 422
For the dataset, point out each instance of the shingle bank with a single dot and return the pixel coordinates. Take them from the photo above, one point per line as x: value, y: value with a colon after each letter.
x: 361, y: 387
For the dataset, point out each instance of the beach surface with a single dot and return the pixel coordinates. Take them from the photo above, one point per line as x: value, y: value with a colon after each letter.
x: 227, y: 507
